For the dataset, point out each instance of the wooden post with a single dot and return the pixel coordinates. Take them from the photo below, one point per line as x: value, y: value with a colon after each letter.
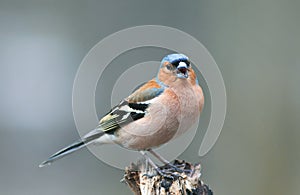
x: 145, y: 181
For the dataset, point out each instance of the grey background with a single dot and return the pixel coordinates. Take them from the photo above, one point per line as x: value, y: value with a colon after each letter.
x: 255, y: 43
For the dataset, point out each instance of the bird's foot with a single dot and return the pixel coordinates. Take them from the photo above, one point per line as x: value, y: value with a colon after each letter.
x: 165, y: 173
x: 177, y: 166
x: 170, y: 171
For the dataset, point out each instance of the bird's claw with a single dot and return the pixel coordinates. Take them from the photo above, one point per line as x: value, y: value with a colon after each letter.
x: 170, y: 175
x: 166, y: 174
x: 177, y: 167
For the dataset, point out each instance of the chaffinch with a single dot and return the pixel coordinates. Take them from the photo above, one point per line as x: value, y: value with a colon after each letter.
x: 161, y: 109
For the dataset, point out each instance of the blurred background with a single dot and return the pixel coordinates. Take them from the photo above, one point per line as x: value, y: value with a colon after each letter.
x: 255, y: 43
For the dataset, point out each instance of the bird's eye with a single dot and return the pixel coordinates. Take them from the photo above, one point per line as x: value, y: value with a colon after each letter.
x: 169, y: 67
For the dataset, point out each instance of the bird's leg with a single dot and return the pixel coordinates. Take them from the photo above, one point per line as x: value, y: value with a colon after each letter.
x: 158, y: 170
x: 146, y: 162
x: 166, y: 162
x: 159, y: 157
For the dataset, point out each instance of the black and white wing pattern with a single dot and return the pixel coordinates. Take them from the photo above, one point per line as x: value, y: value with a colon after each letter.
x: 132, y: 108
x: 121, y: 115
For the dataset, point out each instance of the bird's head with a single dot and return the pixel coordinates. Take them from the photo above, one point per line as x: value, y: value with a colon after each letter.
x: 176, y: 67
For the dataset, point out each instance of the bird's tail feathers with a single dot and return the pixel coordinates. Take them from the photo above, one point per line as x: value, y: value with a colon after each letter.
x: 89, y: 138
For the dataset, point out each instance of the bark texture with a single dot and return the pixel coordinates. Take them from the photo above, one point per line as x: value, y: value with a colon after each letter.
x: 143, y: 180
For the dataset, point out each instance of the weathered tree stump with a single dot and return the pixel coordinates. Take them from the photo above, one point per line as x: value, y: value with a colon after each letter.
x: 143, y: 180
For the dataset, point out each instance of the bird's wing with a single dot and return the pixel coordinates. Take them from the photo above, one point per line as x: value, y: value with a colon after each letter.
x: 146, y: 92
x: 132, y: 108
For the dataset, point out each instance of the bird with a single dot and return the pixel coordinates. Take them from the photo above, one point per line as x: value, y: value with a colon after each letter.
x: 159, y: 110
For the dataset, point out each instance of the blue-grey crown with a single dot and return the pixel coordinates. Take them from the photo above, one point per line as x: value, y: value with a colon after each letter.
x: 173, y: 58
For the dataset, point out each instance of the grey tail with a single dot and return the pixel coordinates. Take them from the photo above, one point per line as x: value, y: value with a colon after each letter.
x: 73, y: 147
x: 63, y: 152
